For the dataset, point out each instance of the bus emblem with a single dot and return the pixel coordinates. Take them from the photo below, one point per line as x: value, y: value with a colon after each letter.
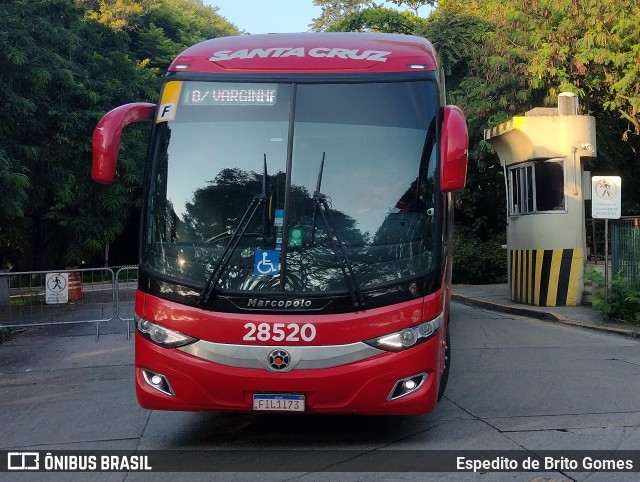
x: 279, y: 360
x: 285, y: 304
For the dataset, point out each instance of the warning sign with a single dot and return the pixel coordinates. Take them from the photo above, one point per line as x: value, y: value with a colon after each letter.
x: 57, y: 288
x: 606, y: 197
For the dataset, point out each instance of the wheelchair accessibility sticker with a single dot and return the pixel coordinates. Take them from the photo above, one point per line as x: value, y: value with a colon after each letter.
x: 267, y: 262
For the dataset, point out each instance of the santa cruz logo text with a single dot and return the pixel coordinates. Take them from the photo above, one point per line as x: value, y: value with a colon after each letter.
x: 317, y: 52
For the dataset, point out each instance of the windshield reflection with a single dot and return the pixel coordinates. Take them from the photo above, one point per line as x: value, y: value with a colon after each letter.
x: 377, y: 191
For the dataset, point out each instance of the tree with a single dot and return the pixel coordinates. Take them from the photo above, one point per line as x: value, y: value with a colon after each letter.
x: 334, y: 11
x: 611, y: 45
x: 47, y: 101
x: 484, y: 83
x: 116, y: 14
x: 414, y: 4
x: 505, y: 58
x: 13, y: 192
x: 171, y: 26
x: 154, y: 35
x: 67, y: 63
x: 378, y: 19
x: 453, y: 36
x: 591, y: 48
x: 158, y: 30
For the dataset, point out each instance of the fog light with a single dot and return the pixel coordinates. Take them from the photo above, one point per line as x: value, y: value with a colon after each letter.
x: 406, y: 386
x: 158, y: 382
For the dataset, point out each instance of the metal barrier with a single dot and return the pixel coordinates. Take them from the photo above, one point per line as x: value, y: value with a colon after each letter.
x: 88, y: 295
x: 126, y: 284
x: 595, y: 234
x: 625, y: 250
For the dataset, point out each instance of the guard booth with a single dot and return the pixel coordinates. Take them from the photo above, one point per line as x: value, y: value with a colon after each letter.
x: 541, y: 154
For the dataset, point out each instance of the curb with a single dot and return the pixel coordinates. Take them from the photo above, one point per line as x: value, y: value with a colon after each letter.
x: 542, y: 315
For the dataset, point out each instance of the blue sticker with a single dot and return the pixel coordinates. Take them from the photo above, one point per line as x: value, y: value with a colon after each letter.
x: 279, y: 218
x: 267, y: 262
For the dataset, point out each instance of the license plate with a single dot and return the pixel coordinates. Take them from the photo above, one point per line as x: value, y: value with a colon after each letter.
x: 277, y: 402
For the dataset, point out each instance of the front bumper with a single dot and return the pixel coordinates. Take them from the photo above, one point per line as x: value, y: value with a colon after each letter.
x: 363, y: 386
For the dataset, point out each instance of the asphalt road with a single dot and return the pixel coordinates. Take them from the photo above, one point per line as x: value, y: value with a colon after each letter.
x: 516, y: 384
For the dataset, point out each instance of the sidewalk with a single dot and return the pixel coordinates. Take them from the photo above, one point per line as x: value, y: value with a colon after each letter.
x: 496, y: 297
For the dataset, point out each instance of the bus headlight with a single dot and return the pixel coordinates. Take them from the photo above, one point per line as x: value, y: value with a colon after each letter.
x: 160, y: 335
x: 412, y: 336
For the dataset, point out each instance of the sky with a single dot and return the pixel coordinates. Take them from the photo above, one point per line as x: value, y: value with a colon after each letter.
x: 271, y: 16
x: 268, y: 16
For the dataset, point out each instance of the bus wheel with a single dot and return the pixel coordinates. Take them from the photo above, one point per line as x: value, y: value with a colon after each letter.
x: 444, y: 378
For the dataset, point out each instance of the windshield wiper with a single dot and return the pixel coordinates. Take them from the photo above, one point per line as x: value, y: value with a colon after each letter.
x: 322, y: 205
x: 208, y: 292
x: 315, y: 206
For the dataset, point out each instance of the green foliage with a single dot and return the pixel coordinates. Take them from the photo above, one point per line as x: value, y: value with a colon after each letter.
x: 610, y: 46
x: 117, y: 15
x: 476, y: 261
x: 76, y: 71
x: 503, y: 58
x: 167, y: 27
x: 453, y: 36
x: 335, y: 11
x: 13, y: 192
x: 67, y: 63
x: 487, y: 76
x: 622, y: 302
x: 414, y: 4
x: 378, y: 19
x: 5, y: 334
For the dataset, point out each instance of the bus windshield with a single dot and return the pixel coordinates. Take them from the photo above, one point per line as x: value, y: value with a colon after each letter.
x: 294, y: 187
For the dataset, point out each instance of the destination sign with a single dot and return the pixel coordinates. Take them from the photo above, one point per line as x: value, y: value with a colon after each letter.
x: 216, y: 93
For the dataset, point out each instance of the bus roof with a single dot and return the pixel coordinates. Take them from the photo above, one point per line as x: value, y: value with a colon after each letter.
x: 339, y: 52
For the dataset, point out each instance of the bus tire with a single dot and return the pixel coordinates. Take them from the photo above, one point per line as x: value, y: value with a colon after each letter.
x: 444, y: 378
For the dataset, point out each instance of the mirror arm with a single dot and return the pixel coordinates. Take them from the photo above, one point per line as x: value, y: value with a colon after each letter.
x: 106, y: 137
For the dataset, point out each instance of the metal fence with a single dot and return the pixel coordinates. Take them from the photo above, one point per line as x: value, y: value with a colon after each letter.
x: 90, y: 295
x: 624, y: 246
x: 625, y: 251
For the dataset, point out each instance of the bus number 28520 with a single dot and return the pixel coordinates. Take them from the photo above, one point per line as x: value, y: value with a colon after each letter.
x: 279, y: 332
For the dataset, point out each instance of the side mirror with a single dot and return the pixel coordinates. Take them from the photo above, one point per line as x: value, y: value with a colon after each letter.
x: 106, y: 137
x: 454, y: 150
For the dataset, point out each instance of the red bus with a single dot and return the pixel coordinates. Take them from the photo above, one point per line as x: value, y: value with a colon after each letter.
x: 296, y: 225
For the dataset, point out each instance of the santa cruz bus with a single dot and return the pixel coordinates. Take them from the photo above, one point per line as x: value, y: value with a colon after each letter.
x: 296, y: 226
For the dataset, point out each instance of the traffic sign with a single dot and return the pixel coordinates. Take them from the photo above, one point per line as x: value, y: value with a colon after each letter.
x: 606, y: 197
x: 57, y: 288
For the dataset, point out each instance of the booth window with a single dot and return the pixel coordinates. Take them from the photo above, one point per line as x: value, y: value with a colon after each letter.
x: 536, y: 187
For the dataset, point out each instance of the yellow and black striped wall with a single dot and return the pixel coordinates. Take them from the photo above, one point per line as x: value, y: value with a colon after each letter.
x: 546, y: 277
